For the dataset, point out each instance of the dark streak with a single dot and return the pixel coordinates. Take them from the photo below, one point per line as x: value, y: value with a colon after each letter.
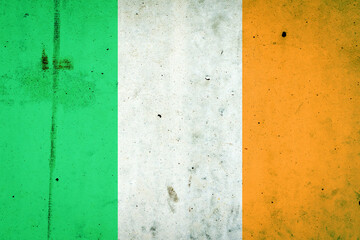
x: 153, y: 231
x: 44, y: 61
x: 56, y: 51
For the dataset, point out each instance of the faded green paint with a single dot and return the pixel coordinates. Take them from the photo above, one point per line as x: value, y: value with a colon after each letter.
x: 84, y: 179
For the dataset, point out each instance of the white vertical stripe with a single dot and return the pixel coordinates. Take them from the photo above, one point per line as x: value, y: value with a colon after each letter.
x: 180, y: 121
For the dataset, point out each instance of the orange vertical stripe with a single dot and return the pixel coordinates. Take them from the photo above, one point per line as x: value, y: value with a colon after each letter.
x: 301, y: 119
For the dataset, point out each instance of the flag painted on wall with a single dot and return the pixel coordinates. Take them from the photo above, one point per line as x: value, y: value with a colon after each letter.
x: 58, y: 119
x: 184, y: 119
x: 301, y: 120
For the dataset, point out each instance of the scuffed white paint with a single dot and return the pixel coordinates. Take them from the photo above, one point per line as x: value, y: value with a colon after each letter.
x: 180, y: 175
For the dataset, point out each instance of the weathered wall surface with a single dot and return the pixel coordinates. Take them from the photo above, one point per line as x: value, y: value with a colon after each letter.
x: 180, y: 119
x: 58, y: 119
x: 301, y: 119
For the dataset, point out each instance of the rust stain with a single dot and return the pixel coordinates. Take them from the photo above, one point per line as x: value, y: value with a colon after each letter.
x: 172, y: 194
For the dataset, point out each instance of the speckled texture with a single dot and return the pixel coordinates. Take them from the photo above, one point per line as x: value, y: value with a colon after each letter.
x: 301, y: 120
x: 180, y: 121
x: 58, y: 119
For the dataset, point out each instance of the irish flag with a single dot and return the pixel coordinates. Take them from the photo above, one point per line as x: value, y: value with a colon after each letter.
x: 179, y: 119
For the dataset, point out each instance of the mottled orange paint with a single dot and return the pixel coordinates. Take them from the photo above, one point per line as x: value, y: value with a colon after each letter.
x: 301, y: 119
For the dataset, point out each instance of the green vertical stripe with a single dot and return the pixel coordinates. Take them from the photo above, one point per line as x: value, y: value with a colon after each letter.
x: 58, y: 119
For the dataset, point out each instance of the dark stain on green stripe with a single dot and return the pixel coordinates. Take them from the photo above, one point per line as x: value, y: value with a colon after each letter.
x: 44, y: 60
x: 53, y: 131
x: 78, y: 91
x: 64, y: 64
